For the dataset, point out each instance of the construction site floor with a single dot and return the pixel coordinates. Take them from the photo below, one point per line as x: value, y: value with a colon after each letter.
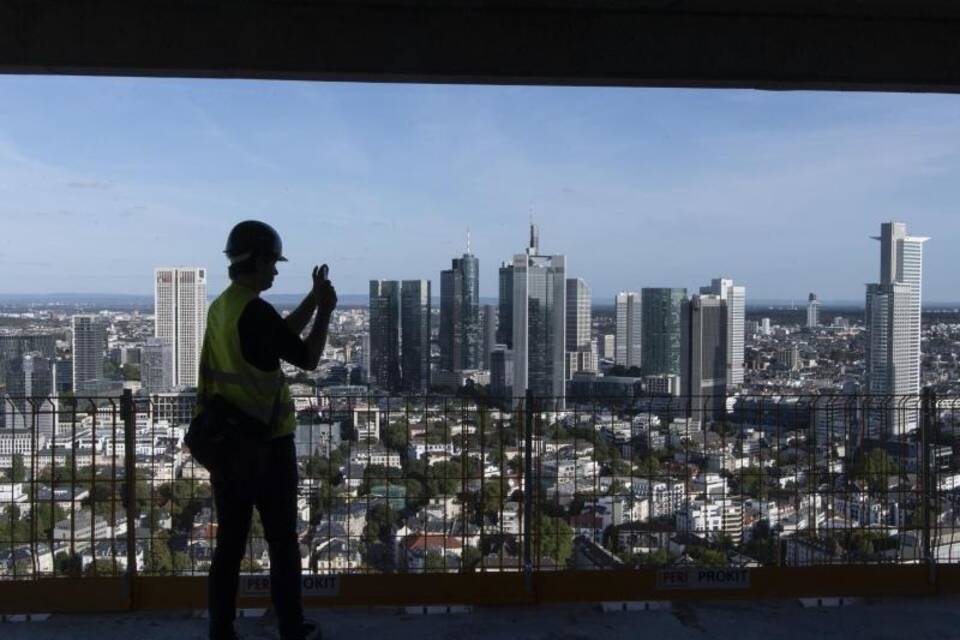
x: 912, y: 619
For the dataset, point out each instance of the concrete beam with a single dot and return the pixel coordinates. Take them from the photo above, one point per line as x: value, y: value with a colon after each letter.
x: 801, y: 44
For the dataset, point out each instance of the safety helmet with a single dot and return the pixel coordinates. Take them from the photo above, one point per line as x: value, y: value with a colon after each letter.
x: 253, y: 238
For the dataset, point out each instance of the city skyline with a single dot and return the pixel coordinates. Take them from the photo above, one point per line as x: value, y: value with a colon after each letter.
x: 710, y: 182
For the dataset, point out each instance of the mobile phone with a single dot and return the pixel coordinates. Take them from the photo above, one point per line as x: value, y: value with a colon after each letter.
x: 324, y: 270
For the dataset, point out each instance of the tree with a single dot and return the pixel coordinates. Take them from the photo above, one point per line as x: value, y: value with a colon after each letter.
x: 763, y: 544
x: 483, y: 422
x: 617, y: 466
x: 111, y: 371
x: 724, y: 540
x: 181, y: 563
x: 103, y: 567
x: 434, y: 562
x: 142, y: 490
x: 554, y: 539
x: 395, y: 436
x: 444, y: 478
x: 186, y: 499
x: 18, y: 471
x: 470, y: 559
x: 648, y: 466
x: 378, y: 474
x: 874, y: 468
x: 616, y: 488
x: 47, y: 516
x: 67, y: 564
x: 658, y: 558
x: 491, y: 499
x: 379, y: 525
x: 707, y: 557
x: 576, y: 504
x: 100, y: 493
x: 377, y: 537
x: 256, y: 525
x: 10, y: 525
x: 415, y: 497
x: 750, y: 482
x: 159, y: 560
x: 16, y: 527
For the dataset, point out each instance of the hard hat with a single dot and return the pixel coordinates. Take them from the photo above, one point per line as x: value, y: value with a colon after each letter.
x: 252, y: 237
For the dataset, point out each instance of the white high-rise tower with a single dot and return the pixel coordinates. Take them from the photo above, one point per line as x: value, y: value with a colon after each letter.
x: 735, y: 298
x: 893, y: 332
x: 180, y: 317
x: 813, y: 311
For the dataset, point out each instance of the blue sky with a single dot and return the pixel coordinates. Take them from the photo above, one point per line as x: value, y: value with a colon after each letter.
x: 102, y: 179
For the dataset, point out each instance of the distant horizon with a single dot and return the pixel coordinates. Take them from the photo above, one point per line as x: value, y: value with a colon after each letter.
x: 355, y: 299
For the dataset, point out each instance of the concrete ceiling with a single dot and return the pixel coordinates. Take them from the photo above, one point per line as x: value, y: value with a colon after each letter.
x: 903, y: 45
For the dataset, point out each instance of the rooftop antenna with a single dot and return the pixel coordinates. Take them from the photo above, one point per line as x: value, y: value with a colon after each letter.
x: 534, y: 238
x: 468, y: 241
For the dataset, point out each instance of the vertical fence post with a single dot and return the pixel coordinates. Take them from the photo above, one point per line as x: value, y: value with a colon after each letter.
x: 928, y: 474
x: 528, y: 492
x: 128, y: 415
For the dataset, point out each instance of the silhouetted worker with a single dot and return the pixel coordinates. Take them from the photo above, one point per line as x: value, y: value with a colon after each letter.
x: 245, y: 340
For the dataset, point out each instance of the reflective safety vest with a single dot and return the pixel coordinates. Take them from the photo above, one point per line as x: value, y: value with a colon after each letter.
x: 263, y: 395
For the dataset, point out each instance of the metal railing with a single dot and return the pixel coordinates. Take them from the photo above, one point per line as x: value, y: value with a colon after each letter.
x: 442, y: 484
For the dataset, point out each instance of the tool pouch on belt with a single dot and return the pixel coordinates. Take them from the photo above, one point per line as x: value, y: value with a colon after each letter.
x: 220, y: 432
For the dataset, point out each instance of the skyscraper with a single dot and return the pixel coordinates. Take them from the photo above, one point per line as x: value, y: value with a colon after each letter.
x: 704, y: 355
x: 490, y: 328
x: 180, y: 314
x: 415, y: 335
x: 501, y: 373
x: 765, y: 327
x: 662, y: 329
x: 893, y: 331
x: 30, y: 383
x: 735, y: 298
x: 539, y: 323
x: 384, y: 368
x: 627, y: 349
x: 365, y: 356
x: 505, y: 313
x: 578, y: 314
x: 16, y: 346
x: 813, y: 311
x: 156, y: 366
x: 607, y: 346
x: 459, y: 335
x: 63, y: 378
x: 89, y: 343
x: 580, y: 352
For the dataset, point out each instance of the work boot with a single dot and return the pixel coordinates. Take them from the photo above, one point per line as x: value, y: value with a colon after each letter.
x: 223, y: 634
x: 309, y: 630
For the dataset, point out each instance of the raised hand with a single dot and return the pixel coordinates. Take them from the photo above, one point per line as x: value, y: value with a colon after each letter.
x: 323, y: 291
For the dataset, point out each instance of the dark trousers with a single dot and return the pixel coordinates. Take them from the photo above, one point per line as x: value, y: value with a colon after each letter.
x: 265, y: 479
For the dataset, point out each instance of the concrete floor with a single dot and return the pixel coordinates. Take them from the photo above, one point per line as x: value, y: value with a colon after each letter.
x: 913, y: 619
